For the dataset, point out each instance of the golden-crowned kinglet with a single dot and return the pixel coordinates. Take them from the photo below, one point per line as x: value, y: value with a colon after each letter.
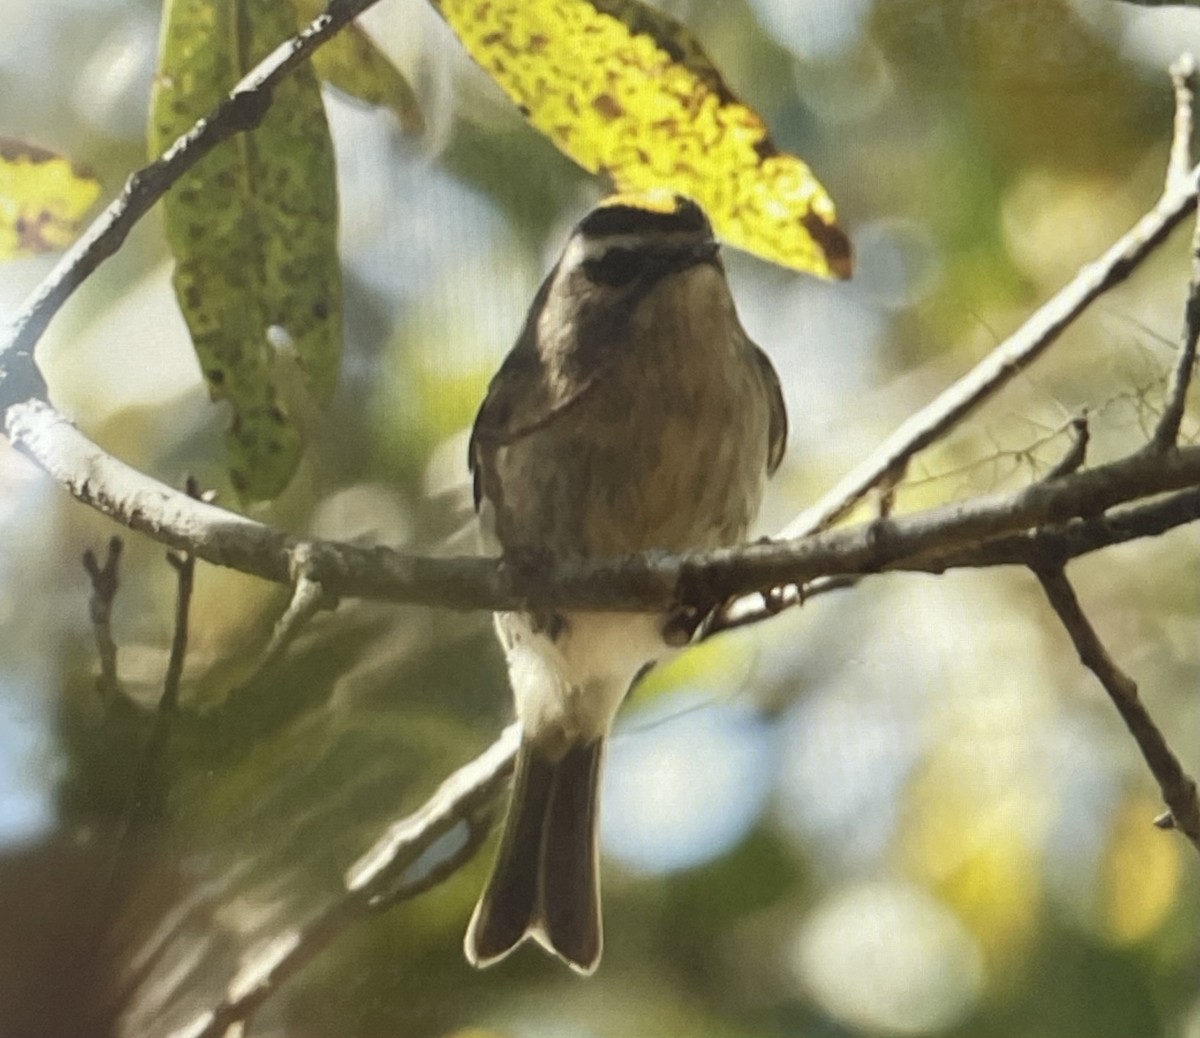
x: 633, y: 413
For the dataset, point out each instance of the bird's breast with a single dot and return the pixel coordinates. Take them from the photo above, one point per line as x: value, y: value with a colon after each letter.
x: 665, y: 448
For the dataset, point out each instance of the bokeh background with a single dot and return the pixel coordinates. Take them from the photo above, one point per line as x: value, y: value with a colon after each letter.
x: 900, y: 810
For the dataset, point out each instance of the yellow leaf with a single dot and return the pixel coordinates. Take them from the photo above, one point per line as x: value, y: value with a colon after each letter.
x: 626, y: 91
x: 43, y: 199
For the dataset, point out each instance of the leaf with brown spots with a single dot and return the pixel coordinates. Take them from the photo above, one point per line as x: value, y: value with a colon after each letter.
x: 627, y: 91
x: 253, y: 228
x: 43, y: 199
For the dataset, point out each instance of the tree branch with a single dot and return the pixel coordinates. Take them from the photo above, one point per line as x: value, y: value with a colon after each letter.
x: 1178, y: 788
x: 105, y: 581
x: 1067, y: 541
x: 1183, y: 78
x: 1007, y: 361
x: 654, y: 580
x: 395, y: 869
x: 1166, y: 433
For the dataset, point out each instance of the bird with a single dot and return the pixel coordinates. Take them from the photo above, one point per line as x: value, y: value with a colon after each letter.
x: 633, y: 413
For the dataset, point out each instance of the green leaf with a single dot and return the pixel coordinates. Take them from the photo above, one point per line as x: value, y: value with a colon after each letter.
x: 353, y: 64
x: 43, y: 199
x: 253, y: 228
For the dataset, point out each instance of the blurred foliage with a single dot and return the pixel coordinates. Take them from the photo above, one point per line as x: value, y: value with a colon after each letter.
x: 354, y: 64
x: 956, y: 836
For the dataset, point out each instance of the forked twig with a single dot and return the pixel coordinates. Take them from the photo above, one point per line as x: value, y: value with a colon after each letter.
x: 105, y: 582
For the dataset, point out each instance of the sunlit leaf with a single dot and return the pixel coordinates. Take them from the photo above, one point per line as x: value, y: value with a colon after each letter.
x: 254, y: 232
x: 353, y: 64
x: 627, y: 91
x: 43, y: 198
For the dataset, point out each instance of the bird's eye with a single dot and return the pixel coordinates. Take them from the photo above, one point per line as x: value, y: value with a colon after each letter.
x: 616, y: 267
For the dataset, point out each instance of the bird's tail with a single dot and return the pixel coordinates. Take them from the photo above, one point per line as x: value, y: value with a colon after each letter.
x: 545, y: 883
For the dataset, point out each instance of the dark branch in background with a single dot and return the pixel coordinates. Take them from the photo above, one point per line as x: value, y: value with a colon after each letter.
x: 146, y: 788
x: 1178, y: 789
x: 144, y: 800
x: 391, y: 872
x: 105, y: 581
x: 184, y: 564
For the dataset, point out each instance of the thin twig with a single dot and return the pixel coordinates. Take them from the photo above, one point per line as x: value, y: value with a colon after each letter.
x: 1007, y: 360
x: 1183, y: 77
x: 184, y: 564
x: 146, y: 791
x: 1076, y: 454
x: 1178, y: 788
x: 105, y: 582
x: 308, y: 597
x: 1166, y: 432
x: 143, y: 798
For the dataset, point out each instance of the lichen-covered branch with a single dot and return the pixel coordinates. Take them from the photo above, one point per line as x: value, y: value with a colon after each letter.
x: 655, y: 580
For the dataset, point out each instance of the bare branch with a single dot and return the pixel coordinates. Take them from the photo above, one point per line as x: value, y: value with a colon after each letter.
x: 185, y: 566
x: 1178, y: 788
x: 654, y: 580
x: 1166, y: 432
x: 1065, y: 541
x: 1077, y: 454
x: 1183, y: 77
x: 308, y: 597
x: 105, y: 581
x: 1005, y: 362
x: 395, y: 869
x: 1073, y: 539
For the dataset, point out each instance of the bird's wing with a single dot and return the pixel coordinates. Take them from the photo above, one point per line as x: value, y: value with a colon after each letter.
x: 521, y: 398
x: 777, y: 429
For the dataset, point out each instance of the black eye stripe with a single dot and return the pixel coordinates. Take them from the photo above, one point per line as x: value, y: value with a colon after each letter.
x: 617, y: 266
